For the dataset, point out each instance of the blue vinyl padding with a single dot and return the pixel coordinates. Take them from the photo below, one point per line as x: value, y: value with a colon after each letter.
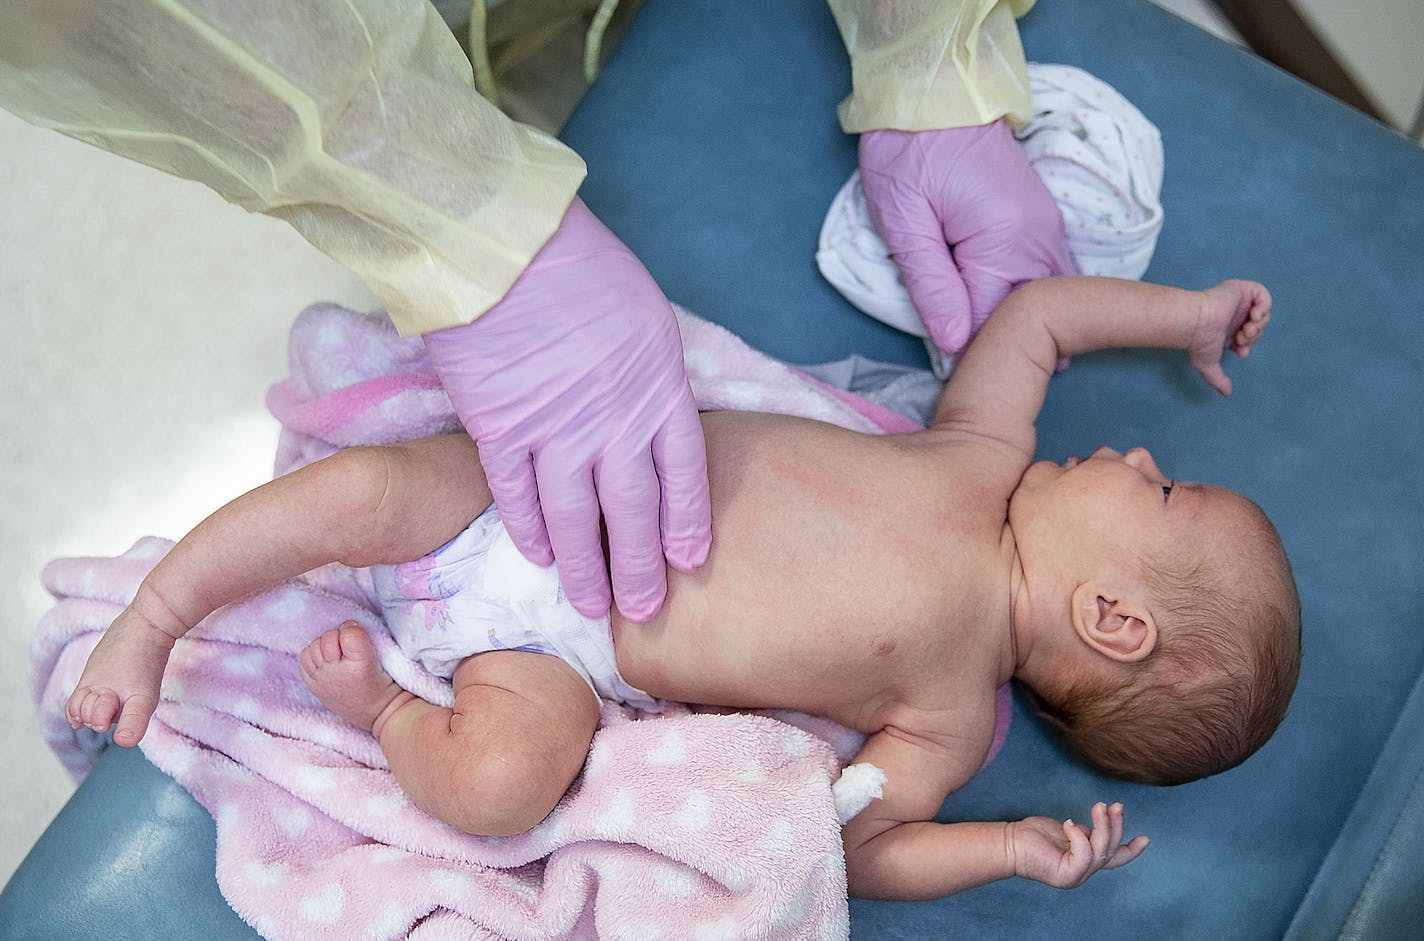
x: 714, y: 151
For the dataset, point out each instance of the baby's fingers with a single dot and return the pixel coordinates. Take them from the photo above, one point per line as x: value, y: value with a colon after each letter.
x: 1080, y: 847
x: 1115, y: 823
x: 1261, y: 304
x: 1107, y: 831
x: 1255, y: 324
x: 1215, y: 377
x: 1249, y: 333
x: 1127, y: 852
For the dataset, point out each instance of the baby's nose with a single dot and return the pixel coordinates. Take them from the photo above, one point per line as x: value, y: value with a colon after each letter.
x: 1141, y: 459
x: 1105, y: 453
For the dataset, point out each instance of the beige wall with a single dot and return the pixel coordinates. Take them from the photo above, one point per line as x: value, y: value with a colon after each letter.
x: 1381, y: 44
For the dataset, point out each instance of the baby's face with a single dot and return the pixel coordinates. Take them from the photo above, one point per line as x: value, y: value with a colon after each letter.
x: 1117, y: 502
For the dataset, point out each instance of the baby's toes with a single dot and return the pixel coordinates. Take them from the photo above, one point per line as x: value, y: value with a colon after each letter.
x: 79, y: 709
x: 73, y: 708
x: 99, y: 708
x: 314, y: 655
x: 322, y: 650
x: 329, y: 645
x: 132, y: 724
x: 306, y: 660
x: 355, y: 643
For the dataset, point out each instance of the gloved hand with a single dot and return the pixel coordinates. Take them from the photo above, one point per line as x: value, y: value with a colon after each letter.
x: 965, y: 217
x: 574, y: 388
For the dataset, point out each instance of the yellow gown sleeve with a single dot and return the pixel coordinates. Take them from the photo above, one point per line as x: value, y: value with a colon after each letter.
x: 356, y: 121
x: 918, y: 65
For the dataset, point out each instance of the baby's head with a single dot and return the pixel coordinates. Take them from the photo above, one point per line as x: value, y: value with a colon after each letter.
x: 1183, y: 640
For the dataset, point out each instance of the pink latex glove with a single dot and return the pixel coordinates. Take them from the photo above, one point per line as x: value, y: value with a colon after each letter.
x: 574, y: 387
x: 966, y: 219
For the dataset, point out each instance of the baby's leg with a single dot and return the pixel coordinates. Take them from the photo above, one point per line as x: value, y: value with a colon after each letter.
x: 341, y: 669
x: 497, y: 763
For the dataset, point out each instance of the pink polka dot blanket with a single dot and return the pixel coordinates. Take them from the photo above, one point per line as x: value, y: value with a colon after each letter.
x: 687, y: 824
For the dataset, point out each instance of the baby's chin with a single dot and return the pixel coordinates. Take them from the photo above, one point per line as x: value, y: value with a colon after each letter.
x: 1035, y: 479
x: 1041, y: 472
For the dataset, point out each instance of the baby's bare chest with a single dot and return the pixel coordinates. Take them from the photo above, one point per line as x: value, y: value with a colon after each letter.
x: 844, y: 577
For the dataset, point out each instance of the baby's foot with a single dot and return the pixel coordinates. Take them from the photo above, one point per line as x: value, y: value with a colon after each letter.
x: 121, y: 679
x: 341, y: 670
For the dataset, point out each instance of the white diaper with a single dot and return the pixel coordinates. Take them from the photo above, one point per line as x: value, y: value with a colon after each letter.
x: 478, y: 593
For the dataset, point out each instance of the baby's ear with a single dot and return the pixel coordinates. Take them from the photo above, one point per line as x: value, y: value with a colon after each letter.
x: 1114, y: 621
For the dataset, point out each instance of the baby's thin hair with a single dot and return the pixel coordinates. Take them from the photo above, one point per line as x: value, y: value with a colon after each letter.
x: 1216, y: 687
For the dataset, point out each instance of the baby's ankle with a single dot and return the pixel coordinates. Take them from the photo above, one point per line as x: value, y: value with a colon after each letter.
x: 399, y: 701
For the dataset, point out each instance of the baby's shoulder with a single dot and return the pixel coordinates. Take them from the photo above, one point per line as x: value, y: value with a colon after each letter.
x: 975, y: 464
x: 959, y: 726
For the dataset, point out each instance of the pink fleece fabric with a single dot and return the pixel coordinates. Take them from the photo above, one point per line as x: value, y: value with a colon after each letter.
x: 687, y: 824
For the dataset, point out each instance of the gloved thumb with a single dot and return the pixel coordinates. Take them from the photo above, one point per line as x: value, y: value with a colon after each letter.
x: 941, y: 297
x: 933, y: 283
x: 914, y: 236
x: 986, y: 291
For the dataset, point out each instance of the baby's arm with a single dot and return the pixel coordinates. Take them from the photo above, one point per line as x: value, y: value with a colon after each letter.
x: 362, y: 506
x: 895, y: 850
x: 997, y: 388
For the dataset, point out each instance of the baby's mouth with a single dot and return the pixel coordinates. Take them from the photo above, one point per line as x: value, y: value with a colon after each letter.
x: 1071, y: 463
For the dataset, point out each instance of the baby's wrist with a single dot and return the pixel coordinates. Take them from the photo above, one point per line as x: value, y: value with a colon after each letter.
x: 1204, y: 315
x: 1011, y: 862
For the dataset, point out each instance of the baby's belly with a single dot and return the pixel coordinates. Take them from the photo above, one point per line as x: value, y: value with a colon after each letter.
x: 759, y: 657
x: 816, y: 591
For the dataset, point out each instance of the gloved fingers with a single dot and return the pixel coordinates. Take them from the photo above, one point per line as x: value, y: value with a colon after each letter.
x: 1060, y: 261
x: 571, y: 514
x: 626, y: 484
x: 915, y: 238
x: 511, y: 479
x: 988, y: 279
x: 680, y: 457
x: 986, y: 291
x: 943, y: 302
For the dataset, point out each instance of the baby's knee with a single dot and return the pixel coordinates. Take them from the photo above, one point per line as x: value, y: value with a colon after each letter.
x: 502, y: 791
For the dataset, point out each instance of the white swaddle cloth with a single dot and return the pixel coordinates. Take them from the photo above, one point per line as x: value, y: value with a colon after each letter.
x: 1098, y: 156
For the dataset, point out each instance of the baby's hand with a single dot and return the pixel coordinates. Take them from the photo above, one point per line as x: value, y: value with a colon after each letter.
x: 1065, y: 854
x: 121, y: 678
x: 1233, y: 314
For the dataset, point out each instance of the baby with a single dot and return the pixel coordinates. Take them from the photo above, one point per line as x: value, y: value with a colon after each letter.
x: 890, y: 583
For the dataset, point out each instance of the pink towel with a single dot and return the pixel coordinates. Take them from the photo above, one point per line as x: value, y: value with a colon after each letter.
x: 686, y: 825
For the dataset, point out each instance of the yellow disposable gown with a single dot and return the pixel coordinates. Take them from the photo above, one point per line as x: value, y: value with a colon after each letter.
x: 357, y: 120
x: 917, y: 65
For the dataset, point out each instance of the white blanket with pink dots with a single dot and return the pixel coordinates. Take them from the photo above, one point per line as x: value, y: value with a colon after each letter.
x: 685, y: 825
